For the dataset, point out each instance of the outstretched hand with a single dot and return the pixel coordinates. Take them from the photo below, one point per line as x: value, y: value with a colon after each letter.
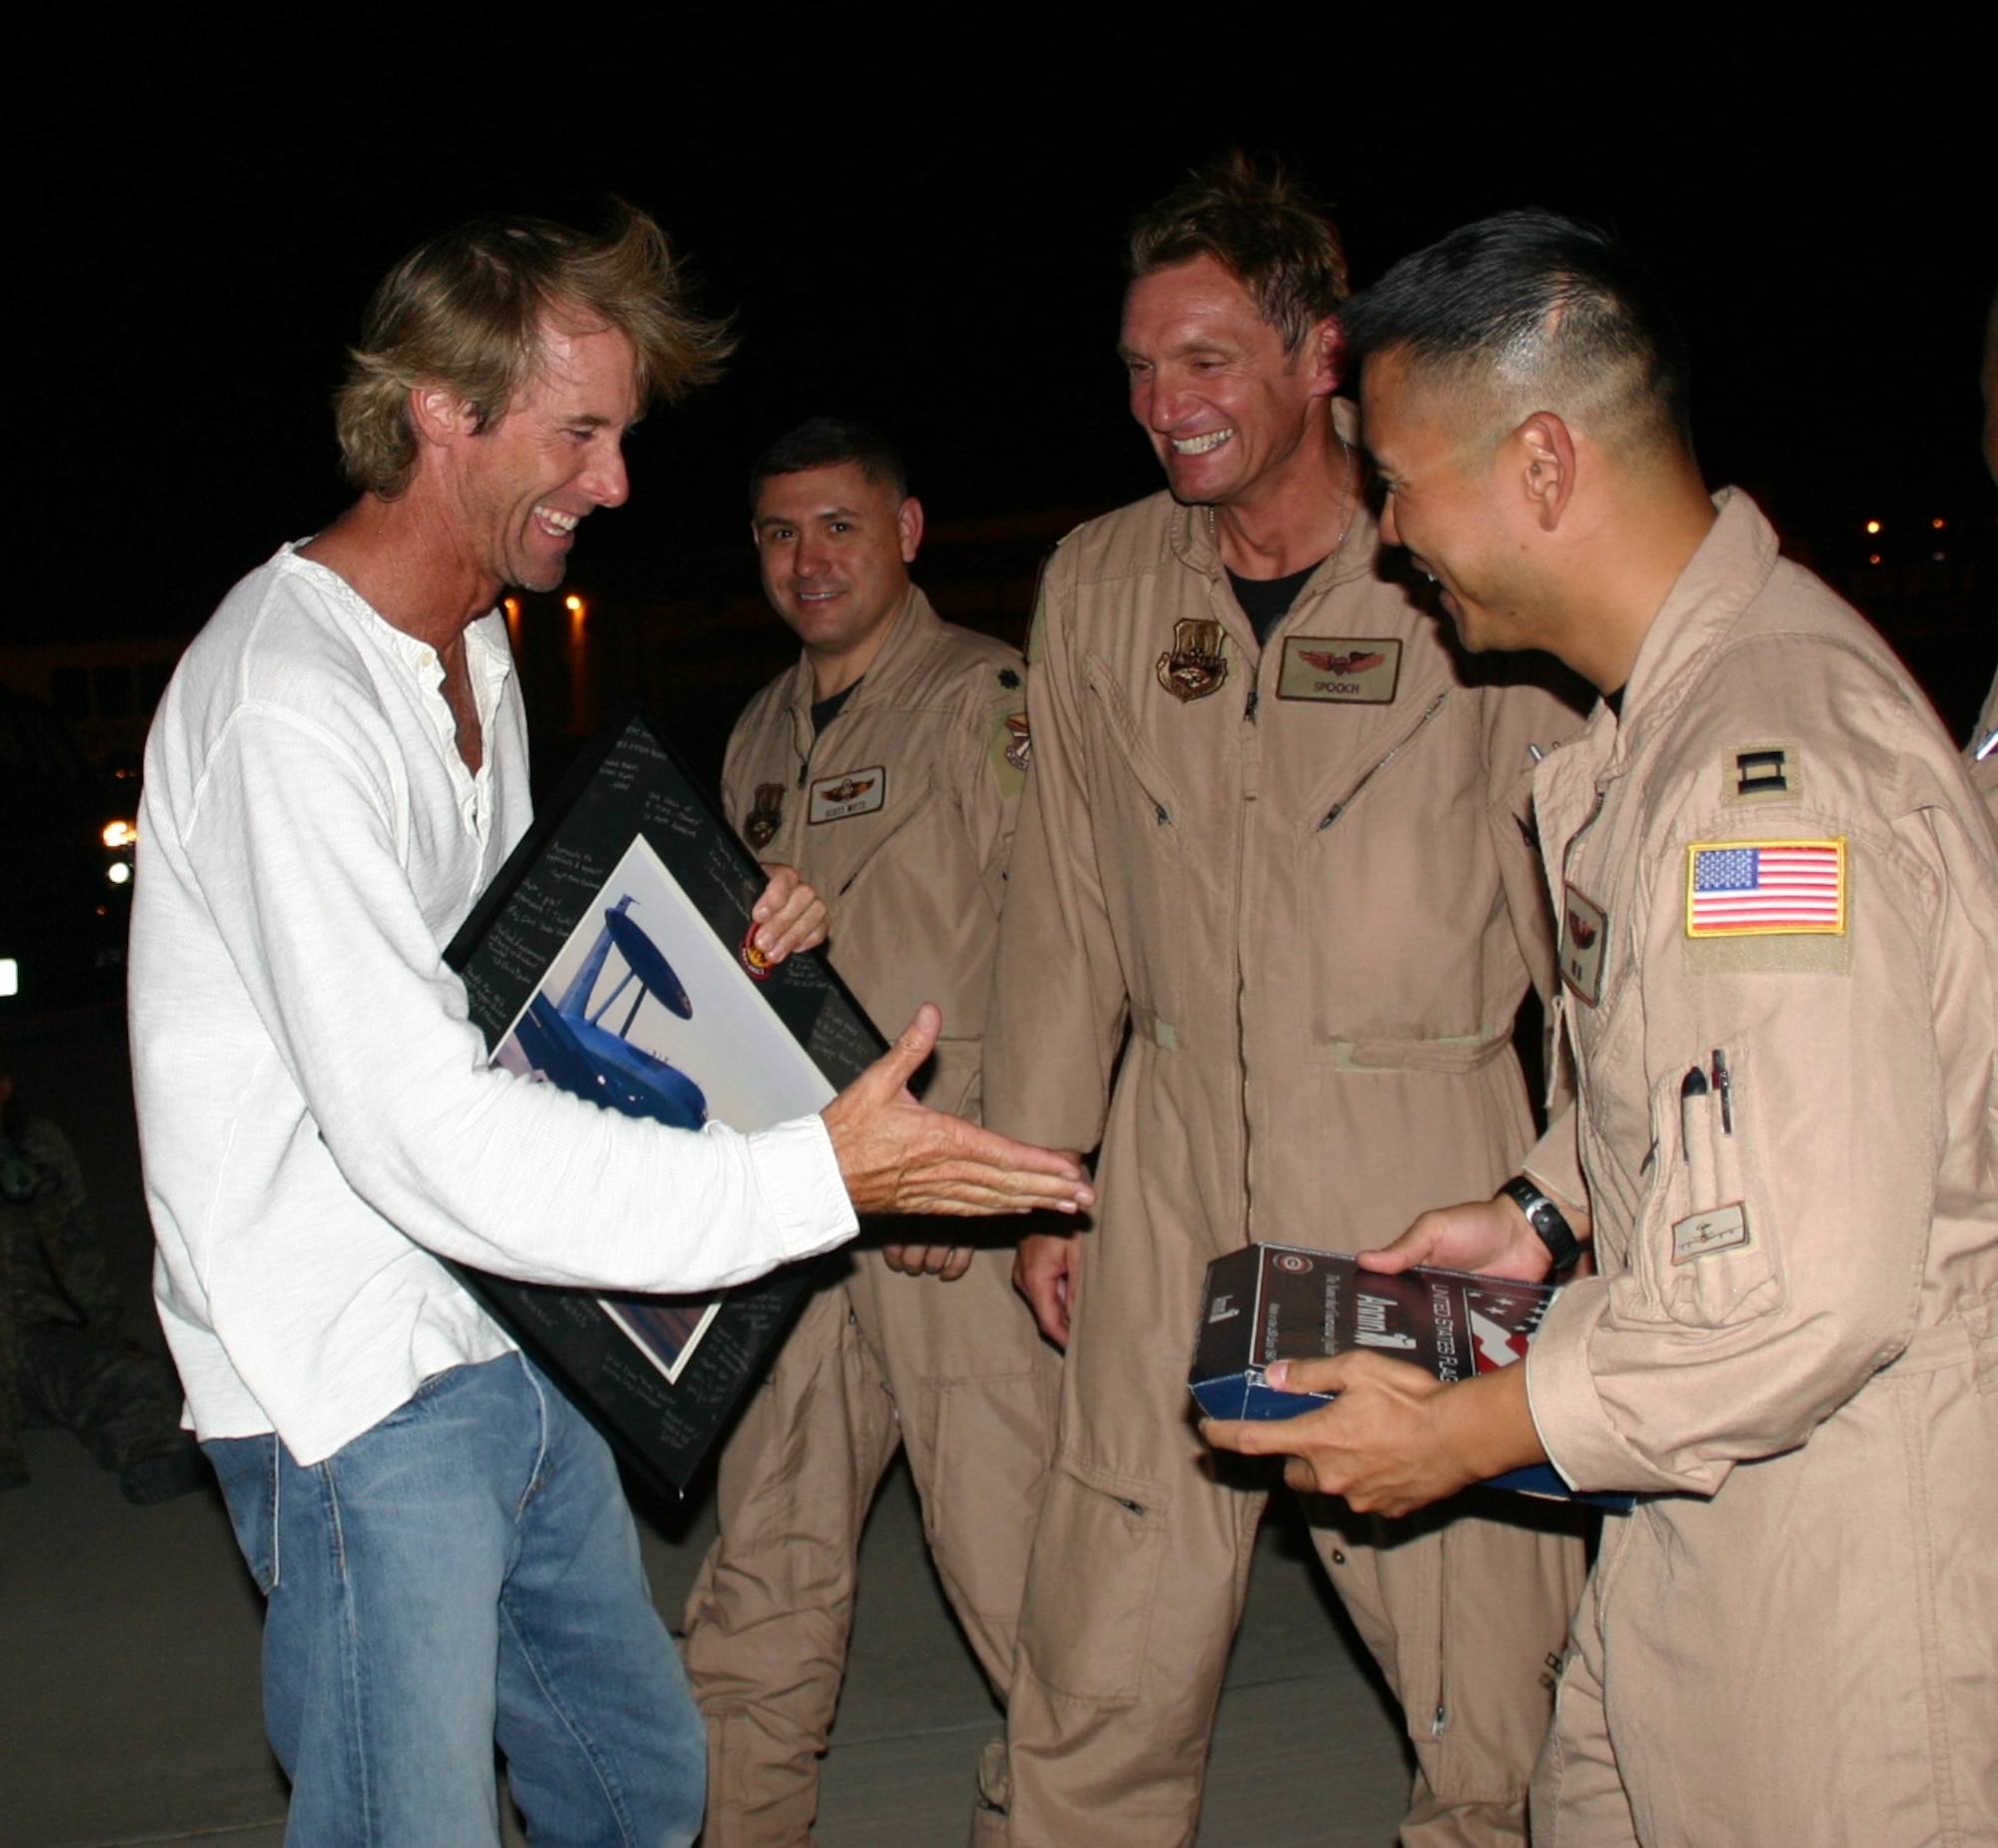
x: 895, y: 1156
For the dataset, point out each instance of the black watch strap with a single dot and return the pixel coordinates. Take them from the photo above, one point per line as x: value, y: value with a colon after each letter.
x: 1549, y: 1221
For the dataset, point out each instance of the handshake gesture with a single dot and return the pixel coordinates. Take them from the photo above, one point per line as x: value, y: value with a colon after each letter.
x: 895, y: 1156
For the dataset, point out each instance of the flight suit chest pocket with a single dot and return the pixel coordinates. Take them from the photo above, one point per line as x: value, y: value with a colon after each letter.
x: 1707, y: 1251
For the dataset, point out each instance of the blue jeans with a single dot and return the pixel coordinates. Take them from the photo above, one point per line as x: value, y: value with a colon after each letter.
x: 463, y: 1573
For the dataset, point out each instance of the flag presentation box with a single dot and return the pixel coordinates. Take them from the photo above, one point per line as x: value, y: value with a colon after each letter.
x: 610, y: 957
x: 1268, y: 1303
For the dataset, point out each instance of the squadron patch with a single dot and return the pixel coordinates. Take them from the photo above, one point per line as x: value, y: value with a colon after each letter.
x: 766, y: 815
x: 1195, y: 665
x: 1753, y: 774
x: 1012, y: 753
x: 1352, y: 671
x: 1584, y: 940
x: 1765, y: 888
x: 847, y: 793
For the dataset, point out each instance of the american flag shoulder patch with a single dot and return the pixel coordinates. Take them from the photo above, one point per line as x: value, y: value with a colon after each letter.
x: 1765, y: 888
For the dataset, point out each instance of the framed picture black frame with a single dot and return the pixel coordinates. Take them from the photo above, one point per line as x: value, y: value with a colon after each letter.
x: 624, y: 785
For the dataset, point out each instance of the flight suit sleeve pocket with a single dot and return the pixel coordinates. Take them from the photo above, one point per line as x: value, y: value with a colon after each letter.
x: 1706, y: 1254
x: 1091, y: 1641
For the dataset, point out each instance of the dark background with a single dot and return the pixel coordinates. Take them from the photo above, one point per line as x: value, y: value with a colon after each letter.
x: 916, y: 215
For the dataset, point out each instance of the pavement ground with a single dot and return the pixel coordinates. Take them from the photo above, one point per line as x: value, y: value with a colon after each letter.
x: 129, y: 1636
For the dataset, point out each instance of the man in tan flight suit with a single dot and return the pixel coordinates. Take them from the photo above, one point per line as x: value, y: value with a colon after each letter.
x: 1295, y: 863
x: 1779, y: 897
x: 887, y: 766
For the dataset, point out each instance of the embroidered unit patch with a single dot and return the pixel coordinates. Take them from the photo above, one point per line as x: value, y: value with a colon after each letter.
x: 1011, y: 753
x: 1764, y: 888
x: 766, y: 816
x: 1197, y: 664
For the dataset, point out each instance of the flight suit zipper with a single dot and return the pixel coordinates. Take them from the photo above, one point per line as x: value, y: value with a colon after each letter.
x: 1353, y: 795
x: 1250, y: 765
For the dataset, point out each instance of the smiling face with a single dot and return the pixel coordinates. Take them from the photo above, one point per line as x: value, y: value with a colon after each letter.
x: 1446, y: 502
x: 836, y: 550
x: 1228, y: 408
x: 520, y: 487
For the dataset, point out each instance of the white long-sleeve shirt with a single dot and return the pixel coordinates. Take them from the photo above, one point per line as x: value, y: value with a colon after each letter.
x: 318, y: 1120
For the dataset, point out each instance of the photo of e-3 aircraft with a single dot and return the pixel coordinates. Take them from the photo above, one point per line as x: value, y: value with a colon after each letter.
x: 573, y: 1046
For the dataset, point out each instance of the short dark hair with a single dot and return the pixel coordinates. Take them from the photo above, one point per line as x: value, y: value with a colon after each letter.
x: 826, y: 443
x: 467, y: 310
x: 1543, y: 313
x: 1264, y: 228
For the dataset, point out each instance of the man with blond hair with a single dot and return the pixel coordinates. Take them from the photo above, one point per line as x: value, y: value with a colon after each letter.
x: 335, y: 774
x: 1272, y: 824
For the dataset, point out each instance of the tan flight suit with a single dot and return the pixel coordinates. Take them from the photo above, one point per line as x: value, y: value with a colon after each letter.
x: 1791, y: 1345
x: 1983, y: 752
x: 901, y: 815
x: 1319, y: 914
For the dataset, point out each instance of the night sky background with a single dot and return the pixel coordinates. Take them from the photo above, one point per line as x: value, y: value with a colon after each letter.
x: 916, y: 217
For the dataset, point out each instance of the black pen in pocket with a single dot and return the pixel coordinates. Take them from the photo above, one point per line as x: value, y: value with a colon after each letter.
x: 1695, y: 1133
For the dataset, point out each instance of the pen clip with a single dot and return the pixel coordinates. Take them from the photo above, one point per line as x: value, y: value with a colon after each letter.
x: 1723, y: 1085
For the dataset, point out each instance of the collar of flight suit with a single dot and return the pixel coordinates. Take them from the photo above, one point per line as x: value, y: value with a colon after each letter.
x: 913, y: 629
x: 1723, y: 576
x: 1191, y: 539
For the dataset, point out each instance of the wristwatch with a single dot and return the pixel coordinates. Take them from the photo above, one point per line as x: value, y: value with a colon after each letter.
x: 1549, y: 1221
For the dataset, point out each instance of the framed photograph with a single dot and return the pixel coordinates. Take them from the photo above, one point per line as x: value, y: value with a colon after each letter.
x: 611, y: 957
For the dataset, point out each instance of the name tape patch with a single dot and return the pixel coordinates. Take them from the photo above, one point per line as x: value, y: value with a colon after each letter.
x: 846, y: 793
x: 1723, y: 1229
x: 1765, y: 888
x: 1355, y: 670
x: 1583, y: 939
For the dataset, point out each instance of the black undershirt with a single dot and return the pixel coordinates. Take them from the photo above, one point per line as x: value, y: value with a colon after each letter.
x: 1615, y: 701
x: 1265, y: 602
x: 824, y: 711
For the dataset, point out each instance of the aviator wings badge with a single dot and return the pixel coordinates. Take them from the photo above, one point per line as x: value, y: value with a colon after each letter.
x: 1194, y: 666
